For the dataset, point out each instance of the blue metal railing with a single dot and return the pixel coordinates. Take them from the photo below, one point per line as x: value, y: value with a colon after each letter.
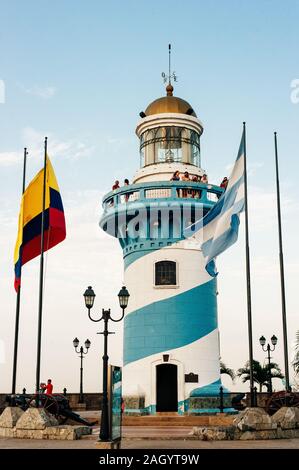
x: 199, y: 192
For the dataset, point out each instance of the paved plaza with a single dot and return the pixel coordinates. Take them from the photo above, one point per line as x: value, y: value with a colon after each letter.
x: 150, y: 437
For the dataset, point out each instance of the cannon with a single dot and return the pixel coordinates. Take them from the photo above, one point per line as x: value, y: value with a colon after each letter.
x: 237, y: 401
x: 58, y: 405
x: 280, y: 399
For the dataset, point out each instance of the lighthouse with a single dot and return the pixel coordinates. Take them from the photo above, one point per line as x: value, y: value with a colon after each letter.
x: 171, y: 339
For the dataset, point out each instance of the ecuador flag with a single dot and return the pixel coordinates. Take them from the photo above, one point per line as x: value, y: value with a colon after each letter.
x: 28, y: 244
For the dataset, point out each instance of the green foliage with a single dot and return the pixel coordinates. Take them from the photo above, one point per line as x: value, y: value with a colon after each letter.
x: 226, y: 370
x: 260, y: 373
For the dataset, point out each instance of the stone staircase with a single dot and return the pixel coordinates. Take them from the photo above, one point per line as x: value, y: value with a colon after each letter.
x: 173, y: 419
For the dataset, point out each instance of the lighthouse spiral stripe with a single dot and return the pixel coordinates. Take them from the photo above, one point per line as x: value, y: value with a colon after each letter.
x: 181, y: 321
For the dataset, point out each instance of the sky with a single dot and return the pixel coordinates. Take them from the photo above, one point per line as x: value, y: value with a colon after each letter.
x: 80, y: 73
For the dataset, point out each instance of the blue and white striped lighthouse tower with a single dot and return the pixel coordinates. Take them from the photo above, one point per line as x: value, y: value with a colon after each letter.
x: 171, y: 342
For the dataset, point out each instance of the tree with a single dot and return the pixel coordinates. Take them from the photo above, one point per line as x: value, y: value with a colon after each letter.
x: 260, y: 373
x: 226, y: 370
x: 296, y: 356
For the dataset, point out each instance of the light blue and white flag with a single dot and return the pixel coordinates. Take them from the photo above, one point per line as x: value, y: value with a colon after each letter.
x: 218, y: 229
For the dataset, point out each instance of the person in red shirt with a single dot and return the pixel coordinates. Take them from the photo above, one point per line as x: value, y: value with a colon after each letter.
x: 224, y: 183
x: 49, y: 387
x: 115, y: 186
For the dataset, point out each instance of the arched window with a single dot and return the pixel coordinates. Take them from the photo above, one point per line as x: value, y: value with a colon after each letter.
x: 165, y: 273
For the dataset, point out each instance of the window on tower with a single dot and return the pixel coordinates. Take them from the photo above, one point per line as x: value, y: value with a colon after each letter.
x: 195, y: 148
x: 169, y: 144
x: 142, y: 160
x: 165, y: 273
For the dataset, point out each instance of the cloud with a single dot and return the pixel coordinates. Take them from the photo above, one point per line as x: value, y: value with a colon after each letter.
x: 251, y: 170
x: 45, y: 92
x: 2, y: 92
x: 2, y: 352
x: 87, y: 256
x: 68, y: 149
x: 10, y: 158
x: 33, y: 139
x: 263, y: 209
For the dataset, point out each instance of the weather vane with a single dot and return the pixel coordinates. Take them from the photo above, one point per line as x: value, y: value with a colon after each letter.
x: 171, y: 75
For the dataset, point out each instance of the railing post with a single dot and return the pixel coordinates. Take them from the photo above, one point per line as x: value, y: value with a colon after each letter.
x: 255, y: 396
x: 24, y: 399
x: 221, y: 399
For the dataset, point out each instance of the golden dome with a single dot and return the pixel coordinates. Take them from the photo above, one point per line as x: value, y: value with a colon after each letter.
x: 169, y: 104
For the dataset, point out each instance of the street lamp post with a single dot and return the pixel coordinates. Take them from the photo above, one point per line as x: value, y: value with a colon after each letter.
x: 89, y: 297
x: 82, y: 353
x: 268, y: 349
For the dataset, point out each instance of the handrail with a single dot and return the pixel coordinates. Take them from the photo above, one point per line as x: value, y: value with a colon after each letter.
x: 174, y: 185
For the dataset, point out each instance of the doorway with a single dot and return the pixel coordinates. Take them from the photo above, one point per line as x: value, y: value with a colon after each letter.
x: 167, y: 387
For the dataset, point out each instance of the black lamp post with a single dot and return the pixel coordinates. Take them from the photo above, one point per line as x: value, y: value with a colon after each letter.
x: 89, y: 297
x: 268, y: 349
x: 82, y: 353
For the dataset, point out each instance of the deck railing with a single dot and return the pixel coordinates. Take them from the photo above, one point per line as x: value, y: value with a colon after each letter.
x: 199, y: 192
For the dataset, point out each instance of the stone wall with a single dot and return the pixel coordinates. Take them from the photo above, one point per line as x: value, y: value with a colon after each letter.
x: 37, y: 423
x: 93, y: 400
x: 254, y: 424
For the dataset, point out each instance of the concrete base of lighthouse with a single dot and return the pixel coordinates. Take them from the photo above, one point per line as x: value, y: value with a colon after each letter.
x: 164, y: 386
x: 205, y: 400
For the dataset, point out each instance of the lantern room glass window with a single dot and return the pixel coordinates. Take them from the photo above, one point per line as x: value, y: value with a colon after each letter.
x: 169, y: 144
x: 195, y: 148
x: 142, y: 161
x: 165, y: 273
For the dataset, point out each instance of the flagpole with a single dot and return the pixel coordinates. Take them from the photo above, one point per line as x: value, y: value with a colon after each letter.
x: 282, y: 283
x: 41, y: 275
x: 248, y: 280
x: 18, y: 301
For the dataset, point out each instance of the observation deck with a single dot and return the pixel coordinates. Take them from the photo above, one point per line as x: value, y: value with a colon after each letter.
x: 150, y: 193
x: 150, y: 215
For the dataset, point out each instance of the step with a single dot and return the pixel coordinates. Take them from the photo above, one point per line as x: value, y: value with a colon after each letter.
x: 165, y: 420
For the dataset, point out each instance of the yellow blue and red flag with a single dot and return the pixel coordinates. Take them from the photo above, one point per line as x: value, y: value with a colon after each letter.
x: 28, y: 244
